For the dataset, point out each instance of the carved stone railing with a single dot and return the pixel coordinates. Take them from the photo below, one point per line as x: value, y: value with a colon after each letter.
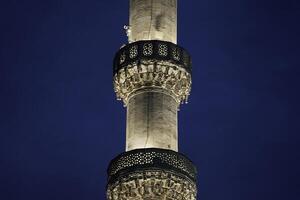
x: 152, y: 50
x: 154, y: 158
x: 151, y: 174
x: 152, y: 64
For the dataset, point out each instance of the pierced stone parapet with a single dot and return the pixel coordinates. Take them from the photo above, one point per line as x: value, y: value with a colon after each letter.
x: 156, y: 64
x: 152, y: 50
x: 153, y: 174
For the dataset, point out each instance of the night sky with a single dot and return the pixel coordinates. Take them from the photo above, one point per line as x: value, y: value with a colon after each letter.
x: 60, y: 123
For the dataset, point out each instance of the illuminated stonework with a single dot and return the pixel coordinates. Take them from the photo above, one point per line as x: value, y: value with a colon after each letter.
x: 152, y: 174
x: 163, y: 25
x: 156, y: 64
x: 152, y: 185
x: 153, y: 74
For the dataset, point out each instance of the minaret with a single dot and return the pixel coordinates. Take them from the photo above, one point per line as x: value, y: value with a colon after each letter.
x: 152, y: 76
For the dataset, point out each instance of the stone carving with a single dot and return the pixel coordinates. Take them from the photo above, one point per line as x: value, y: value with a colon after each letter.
x: 155, y: 74
x: 152, y: 185
x: 154, y: 157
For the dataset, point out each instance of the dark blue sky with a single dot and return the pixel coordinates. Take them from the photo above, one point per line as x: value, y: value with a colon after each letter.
x: 60, y: 123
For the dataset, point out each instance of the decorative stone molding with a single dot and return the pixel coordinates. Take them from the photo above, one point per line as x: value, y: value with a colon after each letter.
x: 152, y: 185
x: 156, y: 64
x: 152, y: 174
x: 152, y: 74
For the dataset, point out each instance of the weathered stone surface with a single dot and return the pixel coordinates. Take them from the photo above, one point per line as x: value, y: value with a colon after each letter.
x: 153, y: 20
x: 151, y: 120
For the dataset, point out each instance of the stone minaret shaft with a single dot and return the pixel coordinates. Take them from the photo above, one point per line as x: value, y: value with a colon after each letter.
x: 152, y: 76
x: 151, y: 120
x: 153, y: 20
x: 152, y: 112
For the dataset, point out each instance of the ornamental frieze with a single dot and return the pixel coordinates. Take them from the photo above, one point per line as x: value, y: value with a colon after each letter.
x: 163, y: 75
x: 152, y: 185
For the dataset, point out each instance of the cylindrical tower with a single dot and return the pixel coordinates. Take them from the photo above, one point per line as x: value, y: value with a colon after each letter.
x: 152, y: 76
x: 153, y: 20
